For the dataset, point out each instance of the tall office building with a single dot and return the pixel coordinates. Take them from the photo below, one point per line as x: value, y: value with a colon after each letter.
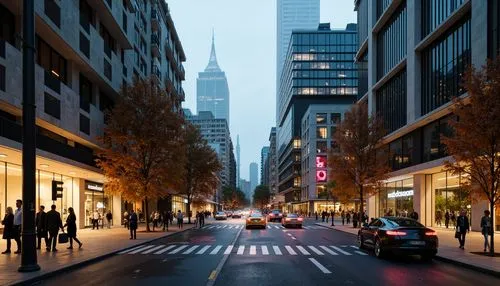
x: 85, y: 51
x: 264, y: 153
x: 416, y: 55
x: 254, y: 176
x: 238, y: 162
x: 212, y: 91
x: 319, y: 69
x: 276, y: 199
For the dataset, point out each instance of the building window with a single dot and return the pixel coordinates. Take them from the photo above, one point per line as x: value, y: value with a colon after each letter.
x: 2, y: 78
x: 84, y: 45
x: 396, y: 198
x: 7, y: 27
x: 84, y: 124
x: 321, y: 118
x: 443, y: 66
x: 335, y: 118
x: 391, y: 102
x: 435, y: 12
x: 86, y: 15
x: 50, y: 60
x: 321, y: 132
x: 493, y: 28
x: 53, y: 11
x: 108, y: 70
x: 124, y: 22
x: 381, y: 7
x: 109, y: 41
x: 363, y: 74
x: 85, y: 93
x: 52, y: 106
x: 362, y: 21
x: 321, y: 147
x: 450, y: 197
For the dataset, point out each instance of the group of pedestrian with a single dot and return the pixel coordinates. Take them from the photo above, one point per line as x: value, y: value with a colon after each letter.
x: 200, y: 219
x: 97, y: 218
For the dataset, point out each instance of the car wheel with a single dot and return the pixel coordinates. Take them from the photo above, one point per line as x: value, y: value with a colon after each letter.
x: 361, y: 242
x: 379, y: 252
x: 427, y: 256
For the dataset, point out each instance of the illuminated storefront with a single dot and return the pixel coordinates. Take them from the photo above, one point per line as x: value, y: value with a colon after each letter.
x: 396, y: 198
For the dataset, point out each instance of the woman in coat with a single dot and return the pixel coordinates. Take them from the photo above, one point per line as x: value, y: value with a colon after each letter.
x: 71, y: 228
x: 8, y: 230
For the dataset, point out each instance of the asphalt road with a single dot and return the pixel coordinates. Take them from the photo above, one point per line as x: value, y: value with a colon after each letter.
x: 224, y: 253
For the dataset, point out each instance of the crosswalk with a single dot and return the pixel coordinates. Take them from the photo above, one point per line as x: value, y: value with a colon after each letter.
x: 246, y: 250
x: 238, y: 226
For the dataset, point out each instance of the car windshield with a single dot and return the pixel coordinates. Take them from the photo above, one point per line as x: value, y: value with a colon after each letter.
x: 405, y: 222
x: 256, y: 215
x: 276, y: 211
x: 220, y: 213
x: 293, y: 216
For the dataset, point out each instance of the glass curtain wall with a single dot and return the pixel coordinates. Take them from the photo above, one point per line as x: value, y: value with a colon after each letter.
x: 396, y: 198
x: 450, y: 197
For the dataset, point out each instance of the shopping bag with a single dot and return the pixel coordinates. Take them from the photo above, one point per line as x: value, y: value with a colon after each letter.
x: 457, y: 234
x: 63, y: 238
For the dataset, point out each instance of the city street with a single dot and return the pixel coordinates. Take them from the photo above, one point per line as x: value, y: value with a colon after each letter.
x: 231, y: 255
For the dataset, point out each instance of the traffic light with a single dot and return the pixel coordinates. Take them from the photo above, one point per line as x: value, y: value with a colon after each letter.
x: 57, y: 190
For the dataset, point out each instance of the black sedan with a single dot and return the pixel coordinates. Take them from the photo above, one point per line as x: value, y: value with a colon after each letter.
x: 398, y: 235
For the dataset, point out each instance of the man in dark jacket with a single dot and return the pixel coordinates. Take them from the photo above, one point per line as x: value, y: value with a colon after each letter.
x: 133, y: 224
x: 462, y: 227
x: 41, y: 227
x: 54, y: 223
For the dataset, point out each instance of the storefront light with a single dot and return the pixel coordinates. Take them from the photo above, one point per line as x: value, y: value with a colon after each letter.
x: 2, y: 155
x: 44, y: 165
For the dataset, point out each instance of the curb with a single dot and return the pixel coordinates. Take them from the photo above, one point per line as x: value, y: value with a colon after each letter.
x: 34, y: 280
x: 442, y: 258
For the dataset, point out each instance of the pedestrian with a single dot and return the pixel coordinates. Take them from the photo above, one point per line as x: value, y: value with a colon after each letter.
x: 171, y: 217
x: 95, y: 220
x: 54, y: 223
x: 414, y: 215
x: 486, y: 229
x: 316, y: 214
x: 462, y: 228
x: 180, y: 219
x: 323, y: 215
x: 446, y: 219
x: 355, y: 220
x: 41, y: 227
x: 202, y: 220
x: 133, y: 224
x: 342, y: 214
x: 156, y: 218
x: 165, y: 220
x: 109, y: 218
x: 348, y: 217
x: 8, y: 228
x: 71, y: 228
x: 18, y: 220
x: 332, y: 214
x: 438, y: 217
x: 125, y: 219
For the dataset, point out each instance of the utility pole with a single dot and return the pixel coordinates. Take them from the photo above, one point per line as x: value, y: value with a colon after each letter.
x: 28, y: 254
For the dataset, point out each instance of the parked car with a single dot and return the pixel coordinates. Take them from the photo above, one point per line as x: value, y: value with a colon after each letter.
x: 236, y: 214
x: 275, y: 215
x: 398, y: 235
x: 293, y: 220
x: 256, y: 219
x: 220, y: 216
x: 229, y: 213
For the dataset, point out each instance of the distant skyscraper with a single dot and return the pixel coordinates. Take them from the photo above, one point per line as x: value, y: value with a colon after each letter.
x: 264, y: 152
x: 254, y: 176
x: 238, y: 166
x: 212, y: 91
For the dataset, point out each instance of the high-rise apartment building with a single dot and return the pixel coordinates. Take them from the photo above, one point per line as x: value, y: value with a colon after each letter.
x: 254, y: 176
x: 264, y: 153
x: 212, y: 90
x: 238, y: 161
x: 319, y: 69
x: 416, y: 53
x: 85, y: 51
x: 276, y: 199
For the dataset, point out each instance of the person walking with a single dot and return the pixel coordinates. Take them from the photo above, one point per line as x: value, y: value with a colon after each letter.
x: 355, y: 220
x: 41, y: 227
x: 348, y: 218
x: 316, y: 215
x: 8, y: 228
x: 165, y: 219
x: 109, y: 218
x: 332, y: 214
x: 342, y: 214
x: 462, y: 228
x: 18, y: 220
x: 486, y: 229
x: 54, y: 223
x: 202, y: 220
x: 156, y: 218
x: 446, y: 219
x: 171, y: 217
x: 95, y: 220
x: 71, y: 228
x: 197, y: 219
x: 125, y: 219
x: 133, y: 221
x: 180, y: 219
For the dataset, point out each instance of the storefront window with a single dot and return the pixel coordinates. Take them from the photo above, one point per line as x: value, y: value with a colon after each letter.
x: 95, y: 201
x: 396, y: 198
x: 179, y: 203
x: 14, y: 184
x: 449, y: 198
x: 3, y: 194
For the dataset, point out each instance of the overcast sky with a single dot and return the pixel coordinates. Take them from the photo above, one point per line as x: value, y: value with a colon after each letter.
x: 245, y: 41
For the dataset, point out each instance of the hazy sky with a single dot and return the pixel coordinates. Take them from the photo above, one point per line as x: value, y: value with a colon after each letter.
x: 245, y: 41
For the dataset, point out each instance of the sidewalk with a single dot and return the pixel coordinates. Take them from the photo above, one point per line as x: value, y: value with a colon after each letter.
x: 97, y: 244
x: 448, y: 248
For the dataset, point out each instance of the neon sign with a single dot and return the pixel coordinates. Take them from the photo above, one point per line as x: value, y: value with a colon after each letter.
x: 321, y: 162
x: 321, y: 176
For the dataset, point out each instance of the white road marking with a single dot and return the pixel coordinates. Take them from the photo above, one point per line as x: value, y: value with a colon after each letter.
x: 201, y: 251
x: 328, y: 250
x: 277, y: 250
x: 228, y: 249
x: 269, y: 226
x: 306, y: 227
x: 320, y: 266
x: 141, y: 249
x: 315, y: 250
x: 276, y: 227
x: 241, y: 249
x: 210, y: 227
x: 165, y: 249
x: 191, y: 249
x: 360, y: 252
x: 289, y: 234
x: 219, y: 226
x: 153, y: 249
x: 216, y: 250
x: 293, y: 238
x: 178, y: 249
x: 303, y: 250
x: 282, y: 226
x: 131, y: 249
x: 354, y: 246
x: 264, y: 250
x: 253, y: 250
x: 340, y: 250
x: 229, y: 227
x: 290, y: 250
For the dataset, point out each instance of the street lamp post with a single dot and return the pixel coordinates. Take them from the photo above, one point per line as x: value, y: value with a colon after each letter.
x: 28, y: 247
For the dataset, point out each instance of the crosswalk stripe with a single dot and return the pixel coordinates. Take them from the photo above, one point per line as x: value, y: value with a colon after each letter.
x: 230, y: 227
x: 216, y: 250
x: 191, y: 249
x: 360, y: 252
x: 315, y: 250
x: 228, y: 250
x: 253, y: 250
x: 269, y: 226
x: 320, y: 266
x: 354, y: 246
x: 219, y: 226
x: 340, y: 250
x: 306, y: 227
x: 153, y: 249
x: 130, y: 249
x: 290, y: 250
x: 303, y: 250
x: 241, y: 249
x: 201, y: 251
x: 264, y: 250
x: 328, y: 250
x: 276, y: 227
x: 141, y: 249
x: 277, y: 250
x: 178, y: 249
x: 165, y: 249
x: 224, y: 226
x: 282, y: 226
x: 210, y: 227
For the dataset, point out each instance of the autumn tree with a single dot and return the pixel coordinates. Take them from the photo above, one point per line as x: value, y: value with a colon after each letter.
x: 142, y: 145
x: 201, y: 168
x: 261, y: 196
x: 475, y: 141
x: 233, y: 198
x: 355, y: 166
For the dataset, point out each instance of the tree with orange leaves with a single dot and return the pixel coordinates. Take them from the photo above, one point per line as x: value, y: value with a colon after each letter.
x: 142, y: 145
x: 475, y: 142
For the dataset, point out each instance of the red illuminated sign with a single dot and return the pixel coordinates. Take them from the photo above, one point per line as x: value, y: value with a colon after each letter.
x: 321, y: 176
x: 320, y: 161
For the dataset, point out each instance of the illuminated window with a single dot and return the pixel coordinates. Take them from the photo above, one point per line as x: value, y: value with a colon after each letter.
x: 321, y: 118
x: 321, y: 132
x: 296, y: 143
x: 297, y: 181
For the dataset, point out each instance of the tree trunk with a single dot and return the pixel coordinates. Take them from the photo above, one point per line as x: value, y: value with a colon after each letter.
x: 361, y: 202
x: 188, y: 209
x: 492, y: 238
x: 146, y: 213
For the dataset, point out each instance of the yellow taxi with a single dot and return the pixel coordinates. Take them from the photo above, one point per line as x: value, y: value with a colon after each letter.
x: 256, y: 219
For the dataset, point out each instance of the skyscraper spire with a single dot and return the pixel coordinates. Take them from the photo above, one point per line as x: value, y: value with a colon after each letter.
x: 212, y: 63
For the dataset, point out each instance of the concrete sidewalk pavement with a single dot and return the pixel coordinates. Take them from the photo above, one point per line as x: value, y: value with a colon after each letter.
x: 97, y: 244
x: 448, y: 248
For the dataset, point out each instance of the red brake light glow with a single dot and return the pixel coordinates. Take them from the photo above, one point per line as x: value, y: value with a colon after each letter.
x: 431, y: 233
x: 287, y: 219
x: 301, y: 219
x: 395, y: 232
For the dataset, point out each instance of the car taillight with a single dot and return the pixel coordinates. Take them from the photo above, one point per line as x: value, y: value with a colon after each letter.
x: 395, y: 232
x: 287, y: 219
x: 431, y: 233
x: 301, y: 219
